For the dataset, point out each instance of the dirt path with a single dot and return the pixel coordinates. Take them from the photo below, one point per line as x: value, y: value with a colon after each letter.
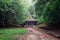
x: 36, y: 34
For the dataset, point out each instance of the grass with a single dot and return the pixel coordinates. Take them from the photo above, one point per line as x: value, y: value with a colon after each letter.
x: 8, y: 34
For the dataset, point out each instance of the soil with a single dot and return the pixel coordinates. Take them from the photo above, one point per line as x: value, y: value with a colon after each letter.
x: 35, y: 34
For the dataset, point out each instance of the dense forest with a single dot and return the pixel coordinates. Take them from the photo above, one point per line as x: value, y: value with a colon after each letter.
x: 16, y: 11
x: 12, y: 12
x: 48, y: 11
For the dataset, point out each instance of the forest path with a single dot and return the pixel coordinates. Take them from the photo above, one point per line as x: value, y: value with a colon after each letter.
x: 36, y: 34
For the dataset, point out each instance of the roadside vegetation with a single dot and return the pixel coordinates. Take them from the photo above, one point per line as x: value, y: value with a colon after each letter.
x: 8, y: 34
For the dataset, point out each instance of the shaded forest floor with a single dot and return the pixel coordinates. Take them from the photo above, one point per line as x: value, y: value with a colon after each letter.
x: 35, y: 34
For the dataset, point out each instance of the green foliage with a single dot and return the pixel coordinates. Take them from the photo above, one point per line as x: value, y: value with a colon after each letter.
x: 12, y: 11
x: 48, y: 11
x: 9, y: 34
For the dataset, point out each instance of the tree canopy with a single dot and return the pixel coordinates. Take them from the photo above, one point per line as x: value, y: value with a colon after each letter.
x: 47, y: 11
x: 13, y: 12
